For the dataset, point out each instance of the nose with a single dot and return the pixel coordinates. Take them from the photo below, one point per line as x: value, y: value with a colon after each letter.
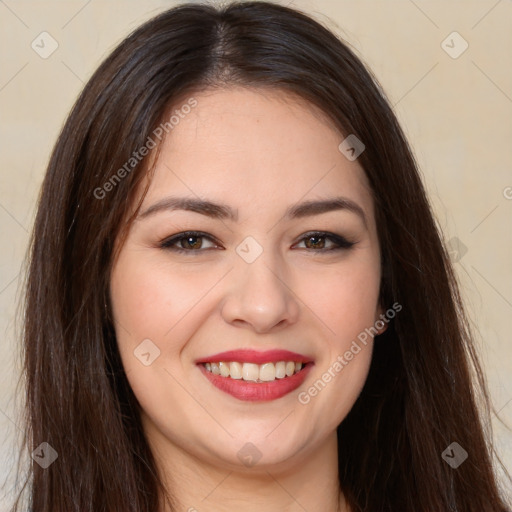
x: 260, y: 296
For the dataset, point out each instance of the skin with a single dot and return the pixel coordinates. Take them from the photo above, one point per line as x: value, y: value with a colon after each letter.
x: 258, y: 151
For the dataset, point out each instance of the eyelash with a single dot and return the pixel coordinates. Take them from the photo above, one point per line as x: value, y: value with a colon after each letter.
x: 168, y: 243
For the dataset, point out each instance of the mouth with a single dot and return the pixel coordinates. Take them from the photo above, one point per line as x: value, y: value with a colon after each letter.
x: 256, y: 376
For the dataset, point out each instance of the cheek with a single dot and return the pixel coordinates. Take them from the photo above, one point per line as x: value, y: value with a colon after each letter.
x: 150, y: 299
x: 157, y: 308
x: 146, y: 309
x: 150, y: 311
x: 347, y: 305
x: 346, y: 299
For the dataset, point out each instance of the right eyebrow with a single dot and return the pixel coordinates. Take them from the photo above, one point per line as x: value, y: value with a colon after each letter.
x: 208, y: 208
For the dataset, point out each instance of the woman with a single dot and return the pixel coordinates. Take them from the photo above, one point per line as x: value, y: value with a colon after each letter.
x: 238, y: 297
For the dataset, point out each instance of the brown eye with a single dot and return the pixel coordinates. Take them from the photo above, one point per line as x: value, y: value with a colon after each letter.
x: 317, y: 242
x: 191, y: 242
x: 188, y: 241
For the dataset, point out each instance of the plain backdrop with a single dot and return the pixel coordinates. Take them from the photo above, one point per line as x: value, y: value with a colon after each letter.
x: 445, y: 66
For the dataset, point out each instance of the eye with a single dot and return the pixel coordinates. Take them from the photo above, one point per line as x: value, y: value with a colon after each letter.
x: 188, y: 241
x: 193, y: 242
x: 317, y: 241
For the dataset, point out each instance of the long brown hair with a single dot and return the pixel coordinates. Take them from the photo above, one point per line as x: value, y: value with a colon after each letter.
x: 425, y: 387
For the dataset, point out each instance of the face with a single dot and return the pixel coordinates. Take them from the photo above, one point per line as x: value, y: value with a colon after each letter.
x: 247, y: 280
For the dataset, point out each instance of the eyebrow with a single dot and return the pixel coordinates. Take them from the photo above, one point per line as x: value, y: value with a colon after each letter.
x: 223, y: 211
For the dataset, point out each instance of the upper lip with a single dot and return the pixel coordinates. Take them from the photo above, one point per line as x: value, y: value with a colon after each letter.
x: 255, y: 356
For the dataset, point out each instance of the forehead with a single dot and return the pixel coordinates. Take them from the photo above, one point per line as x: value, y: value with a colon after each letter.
x: 255, y: 149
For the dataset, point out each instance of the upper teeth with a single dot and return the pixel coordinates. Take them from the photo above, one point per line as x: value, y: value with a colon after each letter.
x: 254, y: 372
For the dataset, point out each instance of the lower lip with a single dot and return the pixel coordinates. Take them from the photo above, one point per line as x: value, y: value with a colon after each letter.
x: 257, y: 391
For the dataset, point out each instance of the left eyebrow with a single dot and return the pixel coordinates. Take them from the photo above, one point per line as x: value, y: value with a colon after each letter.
x: 309, y: 208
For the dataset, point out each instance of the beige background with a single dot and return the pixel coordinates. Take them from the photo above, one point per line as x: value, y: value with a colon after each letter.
x: 457, y: 113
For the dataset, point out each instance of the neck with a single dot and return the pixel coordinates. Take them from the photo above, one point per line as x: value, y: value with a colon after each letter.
x: 195, y: 485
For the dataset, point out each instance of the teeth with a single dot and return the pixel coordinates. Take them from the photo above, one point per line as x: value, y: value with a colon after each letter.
x: 280, y: 370
x: 224, y: 369
x: 250, y: 371
x: 235, y: 370
x: 267, y: 372
x: 254, y: 372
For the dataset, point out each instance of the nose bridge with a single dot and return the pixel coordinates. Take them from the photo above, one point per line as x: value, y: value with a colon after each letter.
x: 259, y: 295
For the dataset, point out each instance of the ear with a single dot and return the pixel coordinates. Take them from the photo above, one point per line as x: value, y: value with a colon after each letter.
x: 381, y: 320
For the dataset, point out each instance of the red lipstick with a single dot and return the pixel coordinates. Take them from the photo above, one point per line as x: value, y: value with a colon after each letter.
x: 256, y: 357
x: 257, y: 391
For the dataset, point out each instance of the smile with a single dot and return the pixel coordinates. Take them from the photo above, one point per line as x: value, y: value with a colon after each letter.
x: 256, y: 376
